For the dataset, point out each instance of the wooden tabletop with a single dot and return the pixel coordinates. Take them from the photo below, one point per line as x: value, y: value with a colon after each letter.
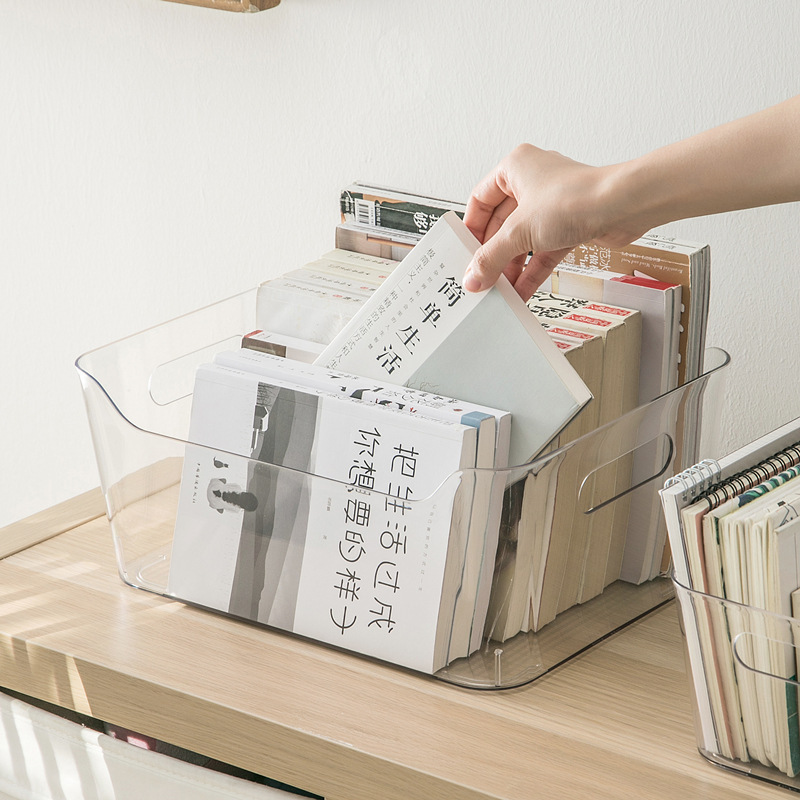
x: 614, y: 722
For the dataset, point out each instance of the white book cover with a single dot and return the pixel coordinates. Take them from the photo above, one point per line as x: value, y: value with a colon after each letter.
x: 404, y: 398
x: 420, y: 328
x: 494, y: 429
x: 357, y: 560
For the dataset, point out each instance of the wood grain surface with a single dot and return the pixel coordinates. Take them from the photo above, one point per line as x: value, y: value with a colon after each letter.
x: 614, y: 722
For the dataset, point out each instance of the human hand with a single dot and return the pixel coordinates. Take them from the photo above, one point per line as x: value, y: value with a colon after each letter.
x: 542, y: 202
x: 534, y: 200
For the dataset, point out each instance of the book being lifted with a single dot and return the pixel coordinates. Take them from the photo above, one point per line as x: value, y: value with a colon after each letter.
x: 421, y: 329
x: 336, y: 518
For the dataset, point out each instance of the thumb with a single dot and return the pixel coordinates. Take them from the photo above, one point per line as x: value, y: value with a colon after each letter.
x: 492, y: 258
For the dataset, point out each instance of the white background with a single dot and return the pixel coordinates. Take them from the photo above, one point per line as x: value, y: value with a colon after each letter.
x: 155, y: 157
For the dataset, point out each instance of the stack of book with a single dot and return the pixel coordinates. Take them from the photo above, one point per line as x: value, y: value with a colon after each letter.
x: 734, y: 527
x: 665, y: 279
x: 268, y: 525
x: 315, y: 302
x: 381, y: 321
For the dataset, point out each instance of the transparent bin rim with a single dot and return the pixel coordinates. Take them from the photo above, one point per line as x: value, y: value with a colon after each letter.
x: 95, y: 366
x: 774, y: 630
x: 715, y: 360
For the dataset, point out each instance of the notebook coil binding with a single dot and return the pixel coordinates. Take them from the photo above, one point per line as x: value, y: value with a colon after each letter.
x: 696, y: 479
x: 703, y: 479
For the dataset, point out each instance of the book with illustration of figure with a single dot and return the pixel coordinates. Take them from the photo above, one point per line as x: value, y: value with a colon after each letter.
x: 494, y: 432
x: 336, y: 518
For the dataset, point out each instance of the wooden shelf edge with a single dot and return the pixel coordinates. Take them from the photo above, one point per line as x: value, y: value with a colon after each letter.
x: 51, y: 522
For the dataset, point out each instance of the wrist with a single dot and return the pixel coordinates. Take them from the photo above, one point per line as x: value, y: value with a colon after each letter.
x: 630, y: 201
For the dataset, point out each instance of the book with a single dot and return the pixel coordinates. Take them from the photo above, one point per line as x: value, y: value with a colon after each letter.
x: 344, y: 256
x: 486, y: 488
x: 621, y: 329
x: 597, y: 541
x: 281, y: 345
x: 738, y: 716
x: 360, y: 267
x: 671, y: 261
x: 304, y: 311
x: 421, y: 329
x: 569, y: 527
x: 524, y: 550
x: 315, y: 301
x: 584, y: 351
x: 659, y: 304
x: 321, y: 514
x: 529, y: 544
x: 375, y: 242
x: 378, y: 207
x: 325, y: 274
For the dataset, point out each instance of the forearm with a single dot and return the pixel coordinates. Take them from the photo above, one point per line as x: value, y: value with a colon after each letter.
x: 753, y: 161
x: 543, y: 202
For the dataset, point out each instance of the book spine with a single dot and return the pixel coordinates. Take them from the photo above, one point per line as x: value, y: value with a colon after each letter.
x: 342, y: 256
x: 282, y: 346
x: 302, y: 288
x: 332, y: 280
x: 362, y: 274
x: 270, y: 364
x: 381, y: 209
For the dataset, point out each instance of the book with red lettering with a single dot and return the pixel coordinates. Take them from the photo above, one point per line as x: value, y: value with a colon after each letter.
x: 671, y: 261
x: 659, y: 304
x: 583, y: 568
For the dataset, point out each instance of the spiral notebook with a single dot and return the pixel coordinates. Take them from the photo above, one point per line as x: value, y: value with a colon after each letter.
x: 712, y: 511
x: 714, y: 482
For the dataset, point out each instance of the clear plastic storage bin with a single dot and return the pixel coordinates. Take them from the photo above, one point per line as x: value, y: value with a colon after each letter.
x: 138, y: 397
x: 743, y: 666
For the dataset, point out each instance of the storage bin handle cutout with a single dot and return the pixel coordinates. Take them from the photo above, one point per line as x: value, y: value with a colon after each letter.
x: 632, y: 469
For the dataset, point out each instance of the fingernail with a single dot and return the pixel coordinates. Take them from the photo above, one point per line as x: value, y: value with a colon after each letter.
x: 471, y: 282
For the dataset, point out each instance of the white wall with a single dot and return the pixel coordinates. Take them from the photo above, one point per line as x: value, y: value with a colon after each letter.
x: 155, y: 157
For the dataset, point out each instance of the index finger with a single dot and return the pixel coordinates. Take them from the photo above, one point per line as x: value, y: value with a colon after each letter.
x: 483, y: 201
